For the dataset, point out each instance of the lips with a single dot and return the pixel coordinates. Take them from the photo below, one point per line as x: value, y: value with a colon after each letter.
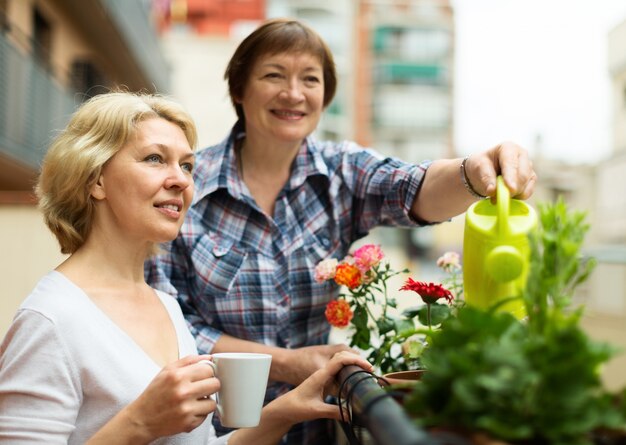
x: 171, y: 207
x: 289, y: 114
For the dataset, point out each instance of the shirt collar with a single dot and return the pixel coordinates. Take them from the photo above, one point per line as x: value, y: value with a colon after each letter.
x: 217, y: 166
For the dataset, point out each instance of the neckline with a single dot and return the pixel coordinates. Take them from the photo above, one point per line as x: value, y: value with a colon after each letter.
x: 104, y: 318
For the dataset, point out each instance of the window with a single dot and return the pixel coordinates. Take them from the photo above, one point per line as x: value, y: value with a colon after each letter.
x: 4, y: 16
x: 42, y: 38
x: 87, y: 79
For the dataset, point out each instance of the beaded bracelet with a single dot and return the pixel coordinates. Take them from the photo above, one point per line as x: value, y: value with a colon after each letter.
x: 466, y: 182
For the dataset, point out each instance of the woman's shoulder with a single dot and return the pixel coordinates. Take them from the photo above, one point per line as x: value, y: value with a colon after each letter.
x: 53, y: 294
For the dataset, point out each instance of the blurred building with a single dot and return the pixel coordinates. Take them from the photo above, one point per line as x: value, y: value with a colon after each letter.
x: 198, y: 37
x: 606, y: 303
x: 53, y: 55
x: 599, y: 191
x: 206, y: 17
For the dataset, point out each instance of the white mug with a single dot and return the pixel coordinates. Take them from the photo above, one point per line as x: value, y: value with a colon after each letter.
x: 243, y: 379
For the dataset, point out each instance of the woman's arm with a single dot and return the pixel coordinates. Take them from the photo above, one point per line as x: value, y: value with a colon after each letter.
x: 174, y: 402
x: 443, y: 194
x: 305, y: 402
x: 288, y: 365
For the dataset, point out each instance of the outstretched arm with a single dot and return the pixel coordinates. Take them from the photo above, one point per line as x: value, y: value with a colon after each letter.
x: 443, y: 194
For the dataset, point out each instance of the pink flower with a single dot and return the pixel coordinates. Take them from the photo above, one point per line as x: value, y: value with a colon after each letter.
x: 449, y: 261
x: 325, y: 270
x: 368, y: 256
x: 338, y: 313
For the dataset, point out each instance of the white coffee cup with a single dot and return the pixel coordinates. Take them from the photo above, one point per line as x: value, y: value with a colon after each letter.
x: 243, y: 380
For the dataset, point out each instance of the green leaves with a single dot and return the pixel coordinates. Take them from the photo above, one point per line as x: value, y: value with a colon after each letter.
x: 536, y: 380
x: 438, y: 313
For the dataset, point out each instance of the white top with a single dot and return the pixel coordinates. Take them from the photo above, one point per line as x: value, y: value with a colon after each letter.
x: 66, y: 368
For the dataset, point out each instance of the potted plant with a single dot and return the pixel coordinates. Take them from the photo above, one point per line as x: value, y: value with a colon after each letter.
x: 393, y: 340
x: 532, y: 381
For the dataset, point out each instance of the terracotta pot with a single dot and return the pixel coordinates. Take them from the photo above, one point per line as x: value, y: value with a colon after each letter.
x: 403, y: 378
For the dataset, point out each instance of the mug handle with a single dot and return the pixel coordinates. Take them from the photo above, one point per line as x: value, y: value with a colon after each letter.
x: 214, y: 367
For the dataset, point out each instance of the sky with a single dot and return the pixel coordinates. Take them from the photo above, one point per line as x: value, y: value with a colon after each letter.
x: 535, y: 72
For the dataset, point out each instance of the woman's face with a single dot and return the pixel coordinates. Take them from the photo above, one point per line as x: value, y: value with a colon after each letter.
x: 146, y: 188
x: 283, y: 99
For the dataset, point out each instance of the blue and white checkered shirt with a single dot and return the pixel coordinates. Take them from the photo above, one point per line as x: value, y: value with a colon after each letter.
x: 238, y: 271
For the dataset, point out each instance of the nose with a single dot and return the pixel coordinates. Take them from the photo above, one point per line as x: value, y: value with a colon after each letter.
x: 292, y: 92
x: 178, y: 178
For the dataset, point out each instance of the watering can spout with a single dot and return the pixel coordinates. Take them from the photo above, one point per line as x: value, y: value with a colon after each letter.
x: 496, y: 250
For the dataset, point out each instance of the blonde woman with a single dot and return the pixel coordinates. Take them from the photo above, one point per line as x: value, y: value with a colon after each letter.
x: 94, y: 354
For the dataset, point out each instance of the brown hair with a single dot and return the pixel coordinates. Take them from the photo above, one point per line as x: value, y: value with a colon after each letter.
x: 273, y: 37
x: 74, y: 161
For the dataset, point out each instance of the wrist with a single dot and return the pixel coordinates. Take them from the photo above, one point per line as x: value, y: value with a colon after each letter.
x: 466, y: 182
x: 280, y: 363
x: 123, y: 428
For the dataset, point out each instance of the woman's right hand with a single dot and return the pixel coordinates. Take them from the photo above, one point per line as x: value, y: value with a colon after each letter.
x: 176, y: 401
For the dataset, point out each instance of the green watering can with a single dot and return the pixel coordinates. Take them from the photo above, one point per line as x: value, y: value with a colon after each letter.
x: 496, y: 251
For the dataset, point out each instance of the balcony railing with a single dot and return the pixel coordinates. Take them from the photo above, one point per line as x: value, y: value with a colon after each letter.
x: 32, y: 105
x: 132, y: 19
x: 374, y: 409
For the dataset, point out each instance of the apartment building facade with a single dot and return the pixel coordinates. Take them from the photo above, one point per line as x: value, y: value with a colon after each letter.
x: 54, y: 54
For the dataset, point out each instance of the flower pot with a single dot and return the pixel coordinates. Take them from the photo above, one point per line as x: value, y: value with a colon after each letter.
x: 403, y: 378
x: 401, y: 383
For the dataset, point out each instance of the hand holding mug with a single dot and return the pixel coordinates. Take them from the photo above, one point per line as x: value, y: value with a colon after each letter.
x: 176, y: 400
x: 243, y: 380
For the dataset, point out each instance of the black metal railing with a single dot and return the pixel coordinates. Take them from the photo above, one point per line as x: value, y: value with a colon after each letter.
x: 374, y: 409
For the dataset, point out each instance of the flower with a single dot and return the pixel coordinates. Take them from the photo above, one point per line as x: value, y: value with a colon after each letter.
x: 430, y: 292
x: 367, y: 257
x: 338, y: 313
x: 378, y: 326
x: 449, y: 261
x: 348, y: 275
x: 325, y: 270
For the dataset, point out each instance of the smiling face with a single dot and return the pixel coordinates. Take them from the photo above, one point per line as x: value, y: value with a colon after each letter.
x: 146, y: 188
x: 283, y: 98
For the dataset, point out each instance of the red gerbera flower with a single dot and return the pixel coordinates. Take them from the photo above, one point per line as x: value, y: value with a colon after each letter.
x: 348, y: 275
x: 430, y: 292
x: 338, y: 313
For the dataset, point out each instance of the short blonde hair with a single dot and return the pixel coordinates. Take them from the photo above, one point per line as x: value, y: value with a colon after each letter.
x: 74, y: 161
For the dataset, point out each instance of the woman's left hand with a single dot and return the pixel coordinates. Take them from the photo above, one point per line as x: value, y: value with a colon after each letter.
x: 306, y: 401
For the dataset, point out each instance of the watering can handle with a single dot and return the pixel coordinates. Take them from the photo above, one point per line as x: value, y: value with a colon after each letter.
x: 503, y: 199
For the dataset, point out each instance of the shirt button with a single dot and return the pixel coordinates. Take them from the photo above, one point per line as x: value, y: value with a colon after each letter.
x: 325, y: 242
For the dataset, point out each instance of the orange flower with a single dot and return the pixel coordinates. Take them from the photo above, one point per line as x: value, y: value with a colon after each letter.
x: 338, y: 313
x: 348, y: 275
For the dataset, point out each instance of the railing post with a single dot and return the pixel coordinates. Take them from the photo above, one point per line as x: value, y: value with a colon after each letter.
x: 376, y: 410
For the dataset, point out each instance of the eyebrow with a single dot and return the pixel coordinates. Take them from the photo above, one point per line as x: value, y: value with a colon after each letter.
x: 164, y: 147
x: 282, y: 67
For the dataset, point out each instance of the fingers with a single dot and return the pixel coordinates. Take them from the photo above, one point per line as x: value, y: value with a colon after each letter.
x: 189, y: 360
x: 529, y: 188
x: 196, y: 370
x: 329, y: 411
x: 509, y: 160
x: 345, y: 358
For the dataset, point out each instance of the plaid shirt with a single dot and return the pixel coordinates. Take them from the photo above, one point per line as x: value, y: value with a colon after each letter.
x: 238, y: 271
